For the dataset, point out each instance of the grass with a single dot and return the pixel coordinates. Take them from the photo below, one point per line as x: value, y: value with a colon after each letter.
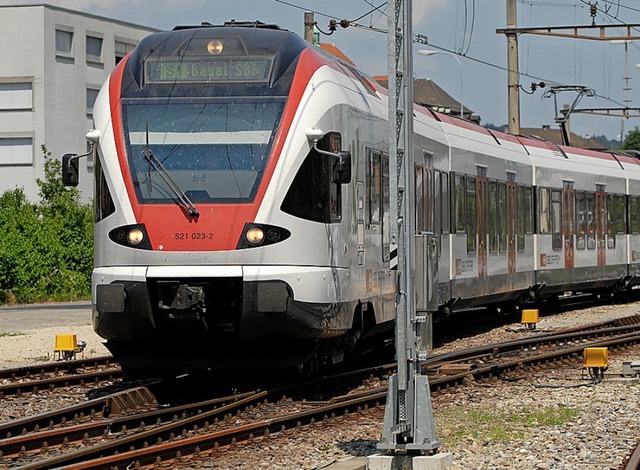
x: 6, y: 335
x: 44, y: 358
x: 488, y: 425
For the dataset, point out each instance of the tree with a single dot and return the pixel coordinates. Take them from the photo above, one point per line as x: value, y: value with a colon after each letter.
x: 632, y: 142
x: 46, y: 249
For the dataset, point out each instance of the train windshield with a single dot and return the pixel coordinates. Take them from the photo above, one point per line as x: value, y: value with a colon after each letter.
x: 214, y: 151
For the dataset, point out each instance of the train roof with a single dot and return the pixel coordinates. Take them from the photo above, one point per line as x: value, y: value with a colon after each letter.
x: 232, y: 24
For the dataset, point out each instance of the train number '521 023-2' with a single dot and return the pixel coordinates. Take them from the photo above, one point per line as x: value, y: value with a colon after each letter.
x: 193, y: 235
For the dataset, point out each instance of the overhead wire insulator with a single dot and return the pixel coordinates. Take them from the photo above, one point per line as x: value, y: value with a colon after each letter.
x: 593, y: 11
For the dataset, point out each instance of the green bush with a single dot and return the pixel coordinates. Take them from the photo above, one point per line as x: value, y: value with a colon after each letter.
x: 46, y: 249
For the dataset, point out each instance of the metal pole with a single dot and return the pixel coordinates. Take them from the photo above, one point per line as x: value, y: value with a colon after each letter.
x: 513, y: 67
x: 309, y: 23
x: 408, y: 428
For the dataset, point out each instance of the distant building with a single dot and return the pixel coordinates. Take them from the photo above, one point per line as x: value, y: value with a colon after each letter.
x: 555, y: 136
x: 428, y: 94
x: 53, y: 61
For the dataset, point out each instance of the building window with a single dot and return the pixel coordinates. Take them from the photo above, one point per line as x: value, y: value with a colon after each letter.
x: 16, y: 151
x: 122, y: 49
x: 94, y: 49
x: 92, y: 94
x: 64, y: 43
x: 16, y: 96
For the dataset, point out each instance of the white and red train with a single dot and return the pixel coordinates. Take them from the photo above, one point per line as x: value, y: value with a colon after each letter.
x: 242, y: 205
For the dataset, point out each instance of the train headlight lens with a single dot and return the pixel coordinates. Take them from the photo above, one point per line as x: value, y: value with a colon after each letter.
x: 215, y: 47
x: 135, y: 236
x: 255, y: 235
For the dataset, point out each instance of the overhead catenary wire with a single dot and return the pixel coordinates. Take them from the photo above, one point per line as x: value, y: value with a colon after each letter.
x: 423, y: 39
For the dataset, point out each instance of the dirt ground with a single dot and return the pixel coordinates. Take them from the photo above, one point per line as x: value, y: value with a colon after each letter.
x: 27, y: 333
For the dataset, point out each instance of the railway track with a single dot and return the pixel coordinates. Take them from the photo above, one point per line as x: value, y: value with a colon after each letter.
x: 58, y: 374
x: 163, y: 435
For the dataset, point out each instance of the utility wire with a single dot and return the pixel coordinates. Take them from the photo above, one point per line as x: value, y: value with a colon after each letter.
x: 423, y: 40
x: 528, y: 75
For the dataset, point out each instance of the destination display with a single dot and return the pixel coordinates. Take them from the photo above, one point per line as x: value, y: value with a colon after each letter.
x: 214, y: 69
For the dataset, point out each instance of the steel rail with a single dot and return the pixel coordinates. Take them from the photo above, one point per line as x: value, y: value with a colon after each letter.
x: 54, y: 367
x: 101, y: 426
x: 632, y: 462
x: 104, y: 406
x: 140, y: 449
x: 61, y: 381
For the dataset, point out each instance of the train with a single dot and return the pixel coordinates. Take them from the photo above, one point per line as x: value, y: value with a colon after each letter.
x: 242, y: 206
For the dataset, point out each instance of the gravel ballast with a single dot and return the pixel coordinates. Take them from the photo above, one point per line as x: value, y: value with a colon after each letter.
x: 552, y: 419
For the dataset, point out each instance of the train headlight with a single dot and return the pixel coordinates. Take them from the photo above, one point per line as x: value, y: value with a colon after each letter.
x: 135, y: 236
x: 261, y: 235
x: 131, y: 236
x: 255, y: 235
x: 215, y: 47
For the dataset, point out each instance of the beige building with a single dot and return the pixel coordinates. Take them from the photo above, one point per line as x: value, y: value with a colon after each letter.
x: 53, y: 61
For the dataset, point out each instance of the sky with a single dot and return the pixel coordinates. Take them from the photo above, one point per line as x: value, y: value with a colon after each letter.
x: 464, y: 27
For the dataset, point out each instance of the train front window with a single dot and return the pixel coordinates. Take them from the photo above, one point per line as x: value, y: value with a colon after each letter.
x: 214, y: 151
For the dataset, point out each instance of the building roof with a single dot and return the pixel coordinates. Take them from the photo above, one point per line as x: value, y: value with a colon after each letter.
x: 80, y: 13
x: 334, y: 50
x: 555, y: 136
x: 427, y: 93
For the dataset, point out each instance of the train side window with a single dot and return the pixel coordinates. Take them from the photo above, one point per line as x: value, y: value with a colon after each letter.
x: 445, y: 203
x: 591, y: 220
x: 528, y: 210
x: 520, y: 217
x: 621, y: 218
x: 634, y: 215
x: 459, y: 220
x: 502, y: 217
x: 581, y: 222
x: 430, y: 207
x: 544, y: 213
x: 374, y: 184
x: 103, y: 203
x: 437, y: 201
x: 313, y: 195
x: 612, y: 219
x: 419, y: 196
x: 386, y: 208
x: 556, y: 219
x: 493, y: 216
x: 471, y: 214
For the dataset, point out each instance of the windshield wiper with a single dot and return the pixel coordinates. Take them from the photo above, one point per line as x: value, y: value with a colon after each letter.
x: 166, y: 176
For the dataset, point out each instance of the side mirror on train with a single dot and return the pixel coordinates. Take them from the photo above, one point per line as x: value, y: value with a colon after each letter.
x: 331, y: 140
x: 71, y: 161
x: 342, y: 168
x: 70, y: 169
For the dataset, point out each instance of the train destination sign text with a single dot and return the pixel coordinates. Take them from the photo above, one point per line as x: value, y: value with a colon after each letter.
x: 218, y: 69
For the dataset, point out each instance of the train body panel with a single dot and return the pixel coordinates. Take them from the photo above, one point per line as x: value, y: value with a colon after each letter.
x: 242, y: 205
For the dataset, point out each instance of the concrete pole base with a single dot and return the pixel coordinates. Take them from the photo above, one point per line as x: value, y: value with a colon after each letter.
x: 441, y: 461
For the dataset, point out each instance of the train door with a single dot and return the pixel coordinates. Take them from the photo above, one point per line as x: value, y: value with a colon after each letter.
x: 425, y: 194
x: 511, y: 221
x: 482, y: 214
x: 601, y: 224
x: 568, y: 225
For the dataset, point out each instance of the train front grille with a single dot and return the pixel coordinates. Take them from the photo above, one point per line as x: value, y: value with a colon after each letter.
x: 199, y: 307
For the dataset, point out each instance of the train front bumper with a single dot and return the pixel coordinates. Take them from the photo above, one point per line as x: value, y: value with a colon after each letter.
x: 220, y: 303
